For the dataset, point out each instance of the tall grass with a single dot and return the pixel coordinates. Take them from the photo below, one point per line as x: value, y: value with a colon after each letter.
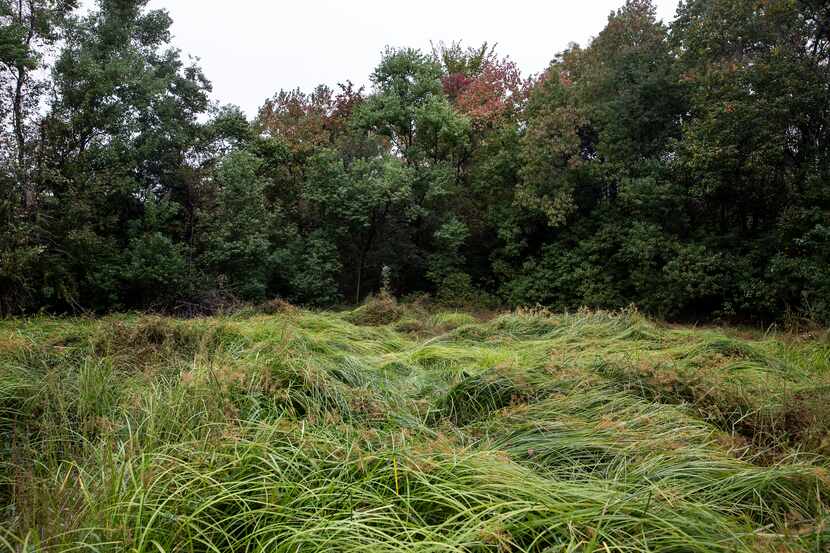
x: 300, y: 431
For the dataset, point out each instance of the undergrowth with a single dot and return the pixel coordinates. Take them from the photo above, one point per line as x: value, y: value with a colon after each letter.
x: 391, y: 428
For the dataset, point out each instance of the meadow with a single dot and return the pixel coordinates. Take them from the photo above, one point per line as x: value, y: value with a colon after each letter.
x: 400, y: 428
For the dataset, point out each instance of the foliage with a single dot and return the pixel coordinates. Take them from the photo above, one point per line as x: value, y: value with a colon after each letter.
x: 234, y: 231
x: 678, y: 166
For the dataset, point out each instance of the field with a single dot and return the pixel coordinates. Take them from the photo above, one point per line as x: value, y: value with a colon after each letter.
x: 395, y: 428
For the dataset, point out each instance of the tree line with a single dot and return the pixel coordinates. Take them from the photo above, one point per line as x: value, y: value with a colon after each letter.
x: 680, y: 167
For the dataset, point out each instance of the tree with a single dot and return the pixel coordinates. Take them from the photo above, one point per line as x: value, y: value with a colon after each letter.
x: 409, y: 109
x: 120, y: 131
x: 600, y: 114
x: 358, y: 201
x: 602, y: 125
x: 754, y: 153
x: 682, y: 168
x: 233, y: 231
x: 27, y: 28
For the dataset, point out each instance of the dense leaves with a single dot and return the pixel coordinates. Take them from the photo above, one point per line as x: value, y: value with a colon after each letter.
x: 683, y: 167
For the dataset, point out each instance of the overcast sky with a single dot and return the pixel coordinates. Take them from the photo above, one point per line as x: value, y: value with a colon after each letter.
x: 250, y: 49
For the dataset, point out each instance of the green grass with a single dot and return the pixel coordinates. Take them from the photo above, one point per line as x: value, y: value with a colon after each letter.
x: 299, y: 431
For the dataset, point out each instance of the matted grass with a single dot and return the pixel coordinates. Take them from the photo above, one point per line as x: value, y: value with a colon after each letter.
x: 287, y: 430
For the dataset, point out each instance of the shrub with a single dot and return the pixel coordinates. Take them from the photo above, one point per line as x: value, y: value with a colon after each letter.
x: 378, y: 310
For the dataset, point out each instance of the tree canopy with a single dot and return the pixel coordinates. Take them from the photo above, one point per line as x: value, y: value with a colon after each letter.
x: 680, y: 166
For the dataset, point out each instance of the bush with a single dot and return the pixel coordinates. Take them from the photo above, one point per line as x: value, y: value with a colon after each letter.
x: 275, y: 307
x: 378, y: 310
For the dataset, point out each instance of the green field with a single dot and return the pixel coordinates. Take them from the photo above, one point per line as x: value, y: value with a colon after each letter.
x: 298, y: 431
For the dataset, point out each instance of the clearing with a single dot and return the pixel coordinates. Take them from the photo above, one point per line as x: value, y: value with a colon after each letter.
x: 310, y: 431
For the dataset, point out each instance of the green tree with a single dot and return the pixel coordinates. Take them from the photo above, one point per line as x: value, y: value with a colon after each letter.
x: 408, y: 108
x: 27, y: 28
x: 358, y: 202
x: 601, y: 115
x: 754, y: 152
x: 233, y: 231
x: 120, y: 131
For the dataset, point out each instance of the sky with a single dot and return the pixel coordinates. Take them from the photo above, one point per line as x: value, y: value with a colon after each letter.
x: 251, y: 49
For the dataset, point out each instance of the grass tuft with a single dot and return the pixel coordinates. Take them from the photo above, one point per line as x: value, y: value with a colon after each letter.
x: 392, y: 429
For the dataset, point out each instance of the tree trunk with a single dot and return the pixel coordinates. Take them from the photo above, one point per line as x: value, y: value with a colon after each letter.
x: 20, y: 138
x: 17, y: 111
x: 359, y: 275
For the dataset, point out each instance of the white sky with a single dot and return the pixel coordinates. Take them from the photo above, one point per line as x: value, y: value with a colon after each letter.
x: 250, y: 49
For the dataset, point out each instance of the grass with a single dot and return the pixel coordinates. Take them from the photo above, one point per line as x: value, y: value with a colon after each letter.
x: 285, y: 430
